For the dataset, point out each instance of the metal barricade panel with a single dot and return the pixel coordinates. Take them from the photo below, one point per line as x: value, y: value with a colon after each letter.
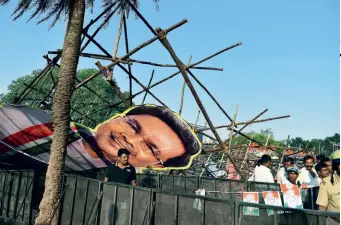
x: 109, y: 205
x: 2, y: 190
x: 207, y: 184
x: 191, y: 184
x: 7, y: 191
x: 189, y: 210
x: 141, y: 206
x: 13, y: 194
x: 167, y: 183
x: 124, y: 205
x: 283, y: 216
x: 165, y: 211
x: 68, y: 200
x: 79, y: 202
x: 218, y: 213
x: 179, y: 184
x: 147, y: 180
x: 28, y: 198
x: 20, y: 207
x: 91, y: 197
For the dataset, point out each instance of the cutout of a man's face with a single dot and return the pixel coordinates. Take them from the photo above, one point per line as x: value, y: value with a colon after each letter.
x: 149, y: 140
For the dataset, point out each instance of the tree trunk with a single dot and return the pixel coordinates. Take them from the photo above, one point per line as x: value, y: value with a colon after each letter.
x: 61, y: 114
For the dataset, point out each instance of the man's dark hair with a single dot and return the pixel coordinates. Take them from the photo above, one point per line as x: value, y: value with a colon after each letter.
x: 326, y: 159
x: 264, y: 159
x: 319, y: 166
x: 320, y: 157
x: 307, y: 157
x: 288, y: 159
x: 180, y: 127
x: 123, y: 152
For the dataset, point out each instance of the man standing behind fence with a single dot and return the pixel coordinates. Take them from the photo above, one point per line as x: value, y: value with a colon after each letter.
x: 122, y: 172
x: 329, y: 193
x: 308, y: 175
x: 288, y: 162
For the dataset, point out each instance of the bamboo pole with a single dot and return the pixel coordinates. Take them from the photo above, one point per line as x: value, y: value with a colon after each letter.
x: 183, y: 90
x: 247, y: 152
x: 248, y: 122
x: 112, y: 83
x: 118, y: 37
x: 182, y: 68
x: 114, y: 54
x: 131, y: 52
x: 130, y: 61
x: 127, y: 51
x: 139, y: 83
x: 209, y: 94
x: 85, y: 86
x: 149, y: 83
x: 159, y: 82
x: 98, y: 28
x: 230, y: 138
x: 256, y: 117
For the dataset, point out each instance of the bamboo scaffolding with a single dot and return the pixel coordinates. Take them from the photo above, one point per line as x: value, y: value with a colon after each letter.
x: 163, y: 80
x: 149, y: 83
x: 183, y: 90
x: 132, y: 52
x: 248, y: 122
x: 112, y: 83
x: 127, y: 51
x: 130, y: 61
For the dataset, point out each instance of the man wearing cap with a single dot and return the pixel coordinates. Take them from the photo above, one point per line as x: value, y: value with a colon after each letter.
x: 282, y: 172
x: 329, y: 194
x: 292, y: 175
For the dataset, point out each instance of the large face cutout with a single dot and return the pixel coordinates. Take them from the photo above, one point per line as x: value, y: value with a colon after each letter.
x: 150, y: 141
x: 159, y: 138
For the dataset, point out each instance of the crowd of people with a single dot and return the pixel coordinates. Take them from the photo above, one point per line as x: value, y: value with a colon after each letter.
x: 324, y: 172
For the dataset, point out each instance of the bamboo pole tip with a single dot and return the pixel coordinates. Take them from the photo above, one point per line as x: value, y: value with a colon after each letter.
x: 239, y: 43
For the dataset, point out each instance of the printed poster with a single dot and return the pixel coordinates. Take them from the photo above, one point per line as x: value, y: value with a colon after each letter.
x: 251, y: 197
x: 272, y: 198
x: 291, y: 196
x: 156, y: 137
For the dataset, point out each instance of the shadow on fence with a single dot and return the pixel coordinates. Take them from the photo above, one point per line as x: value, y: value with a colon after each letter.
x: 16, y: 188
x: 90, y: 201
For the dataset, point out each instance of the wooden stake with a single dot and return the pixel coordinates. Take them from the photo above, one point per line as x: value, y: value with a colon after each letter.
x: 131, y: 52
x: 112, y: 83
x: 230, y: 137
x: 149, y: 83
x: 183, y: 90
x: 182, y: 68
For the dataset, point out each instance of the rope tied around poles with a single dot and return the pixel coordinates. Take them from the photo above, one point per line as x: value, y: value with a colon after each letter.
x: 162, y: 34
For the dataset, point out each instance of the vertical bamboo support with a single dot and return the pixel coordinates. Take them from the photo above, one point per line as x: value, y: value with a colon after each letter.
x: 230, y: 137
x: 182, y: 68
x: 112, y: 84
x: 183, y: 90
x: 149, y: 83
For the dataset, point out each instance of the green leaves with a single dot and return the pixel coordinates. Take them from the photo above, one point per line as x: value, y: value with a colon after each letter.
x: 84, y: 102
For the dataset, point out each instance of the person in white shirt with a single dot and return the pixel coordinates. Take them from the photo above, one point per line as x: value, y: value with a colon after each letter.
x: 262, y: 172
x: 282, y: 172
x: 308, y: 175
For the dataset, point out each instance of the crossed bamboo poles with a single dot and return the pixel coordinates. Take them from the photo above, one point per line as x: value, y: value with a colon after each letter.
x: 185, y: 71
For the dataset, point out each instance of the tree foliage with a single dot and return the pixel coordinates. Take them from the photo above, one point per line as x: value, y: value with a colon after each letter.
x: 261, y: 137
x: 59, y: 9
x: 83, y: 100
x: 320, y: 146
